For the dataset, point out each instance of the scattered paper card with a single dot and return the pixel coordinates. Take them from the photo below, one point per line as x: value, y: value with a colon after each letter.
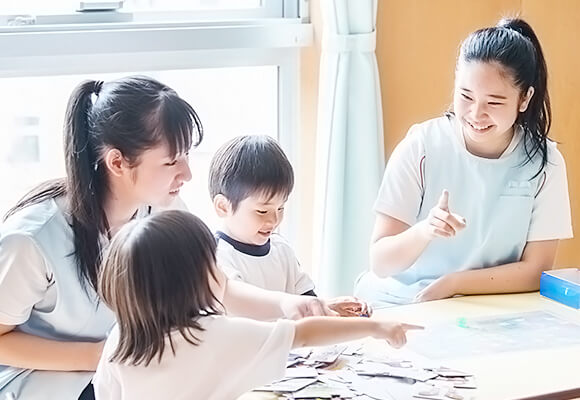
x: 379, y: 369
x: 328, y: 354
x: 288, y: 385
x: 323, y: 392
x: 301, y: 372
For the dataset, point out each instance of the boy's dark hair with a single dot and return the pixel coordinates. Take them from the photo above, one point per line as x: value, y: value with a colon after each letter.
x: 514, y: 45
x: 131, y: 114
x: 156, y: 278
x: 248, y: 165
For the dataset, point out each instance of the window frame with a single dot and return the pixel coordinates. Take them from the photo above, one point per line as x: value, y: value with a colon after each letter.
x: 267, y: 9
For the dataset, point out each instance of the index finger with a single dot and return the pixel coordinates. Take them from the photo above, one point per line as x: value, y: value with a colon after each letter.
x: 410, y: 327
x: 443, y: 202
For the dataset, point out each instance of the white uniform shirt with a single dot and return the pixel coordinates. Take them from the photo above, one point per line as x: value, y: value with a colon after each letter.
x: 505, y: 202
x: 272, y: 266
x: 41, y: 295
x: 235, y: 355
x: 403, y: 185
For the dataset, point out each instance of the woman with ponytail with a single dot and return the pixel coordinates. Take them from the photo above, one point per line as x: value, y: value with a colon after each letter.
x: 476, y: 201
x: 126, y: 144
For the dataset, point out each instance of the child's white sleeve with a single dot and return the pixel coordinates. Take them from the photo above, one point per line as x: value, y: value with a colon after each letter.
x: 24, y: 278
x: 265, y: 350
x: 105, y: 383
x: 402, y: 187
x: 303, y: 283
x: 551, y: 217
x: 226, y: 263
x: 230, y: 271
x: 297, y: 281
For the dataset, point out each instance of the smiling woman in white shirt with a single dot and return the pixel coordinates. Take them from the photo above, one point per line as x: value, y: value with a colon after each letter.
x: 474, y: 202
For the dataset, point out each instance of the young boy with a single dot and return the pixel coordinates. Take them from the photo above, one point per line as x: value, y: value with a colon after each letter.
x: 250, y: 180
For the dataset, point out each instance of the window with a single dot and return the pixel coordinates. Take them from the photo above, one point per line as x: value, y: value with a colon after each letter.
x: 230, y: 102
x: 241, y: 77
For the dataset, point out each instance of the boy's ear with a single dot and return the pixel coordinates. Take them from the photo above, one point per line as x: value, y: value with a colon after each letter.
x: 222, y: 205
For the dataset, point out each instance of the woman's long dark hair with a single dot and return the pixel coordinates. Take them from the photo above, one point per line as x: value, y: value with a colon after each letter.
x: 131, y: 114
x: 514, y: 45
x: 156, y: 278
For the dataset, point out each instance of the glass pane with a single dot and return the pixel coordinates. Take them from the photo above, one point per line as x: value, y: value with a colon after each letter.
x: 229, y: 101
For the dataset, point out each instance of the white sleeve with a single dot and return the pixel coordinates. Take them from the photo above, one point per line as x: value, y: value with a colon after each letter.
x: 302, y: 282
x: 230, y: 272
x: 24, y: 278
x: 105, y: 383
x: 265, y: 350
x: 226, y: 264
x: 402, y: 188
x: 551, y: 217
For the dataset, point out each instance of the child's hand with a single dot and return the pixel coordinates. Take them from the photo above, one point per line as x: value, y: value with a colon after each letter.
x: 348, y: 306
x: 441, y: 288
x: 441, y: 222
x: 297, y: 307
x: 395, y: 333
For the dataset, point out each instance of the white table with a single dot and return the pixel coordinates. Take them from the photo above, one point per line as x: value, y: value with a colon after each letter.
x: 551, y: 373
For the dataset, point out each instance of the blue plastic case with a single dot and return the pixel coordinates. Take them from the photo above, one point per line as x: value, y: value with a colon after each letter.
x: 562, y: 285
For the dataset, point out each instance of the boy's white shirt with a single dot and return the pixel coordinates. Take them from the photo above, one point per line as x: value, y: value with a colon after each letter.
x: 234, y: 356
x: 278, y: 270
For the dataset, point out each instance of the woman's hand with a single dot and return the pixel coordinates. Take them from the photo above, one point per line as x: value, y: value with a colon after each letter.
x: 441, y: 288
x: 441, y: 222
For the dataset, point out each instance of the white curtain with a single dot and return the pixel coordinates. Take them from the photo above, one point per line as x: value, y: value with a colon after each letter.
x: 350, y: 152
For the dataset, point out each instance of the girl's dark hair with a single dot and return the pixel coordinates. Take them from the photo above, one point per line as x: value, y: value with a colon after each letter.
x: 131, y: 114
x: 247, y: 165
x: 514, y: 45
x: 156, y: 278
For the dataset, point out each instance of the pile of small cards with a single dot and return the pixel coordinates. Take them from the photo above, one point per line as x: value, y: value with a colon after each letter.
x: 342, y: 372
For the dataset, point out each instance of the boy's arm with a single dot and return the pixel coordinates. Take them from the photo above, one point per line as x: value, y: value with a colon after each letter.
x: 253, y: 302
